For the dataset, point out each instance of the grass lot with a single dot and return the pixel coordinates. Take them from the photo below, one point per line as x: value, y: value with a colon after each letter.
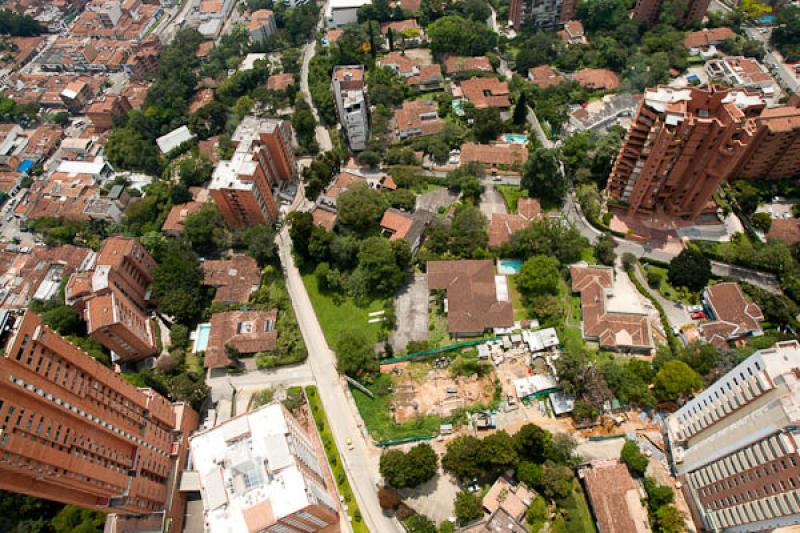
x: 425, y: 188
x: 337, y: 317
x: 511, y: 195
x: 574, y: 315
x: 194, y: 363
x: 669, y: 292
x: 575, y: 509
x: 378, y: 419
x: 520, y: 311
x: 335, y: 459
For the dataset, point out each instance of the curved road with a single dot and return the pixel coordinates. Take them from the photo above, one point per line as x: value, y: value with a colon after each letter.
x: 360, y: 463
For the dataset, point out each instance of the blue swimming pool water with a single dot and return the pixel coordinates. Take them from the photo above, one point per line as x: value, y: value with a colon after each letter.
x: 201, y: 337
x: 509, y: 267
x: 515, y: 138
x: 458, y: 107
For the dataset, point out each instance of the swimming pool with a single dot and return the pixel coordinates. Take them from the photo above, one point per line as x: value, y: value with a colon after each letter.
x: 201, y: 337
x: 509, y: 267
x: 458, y: 107
x: 515, y: 138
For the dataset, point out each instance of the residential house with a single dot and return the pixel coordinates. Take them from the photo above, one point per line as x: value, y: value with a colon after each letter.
x: 103, y: 110
x: 475, y: 302
x: 706, y: 38
x: 573, y: 33
x: 235, y: 333
x: 544, y: 76
x: 425, y: 77
x: 614, y: 330
x: 324, y: 213
x: 614, y: 497
x: 506, y: 156
x: 418, y: 118
x: 261, y: 25
x: 487, y: 92
x: 733, y: 318
x: 597, y: 79
x: 501, y: 226
x: 280, y: 82
x: 406, y: 33
x: 176, y: 218
x: 350, y: 96
x: 234, y: 279
x: 409, y: 227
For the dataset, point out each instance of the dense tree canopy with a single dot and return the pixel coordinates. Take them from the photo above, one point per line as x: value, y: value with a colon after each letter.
x: 457, y: 35
x: 401, y: 470
x: 690, y: 269
x: 354, y: 354
x: 543, y: 177
x: 676, y: 379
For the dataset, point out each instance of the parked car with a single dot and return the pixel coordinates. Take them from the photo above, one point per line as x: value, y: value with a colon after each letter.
x: 694, y: 308
x: 349, y: 442
x: 699, y: 315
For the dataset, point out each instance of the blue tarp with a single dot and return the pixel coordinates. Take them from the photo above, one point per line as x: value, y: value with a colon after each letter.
x: 692, y: 77
x: 25, y: 166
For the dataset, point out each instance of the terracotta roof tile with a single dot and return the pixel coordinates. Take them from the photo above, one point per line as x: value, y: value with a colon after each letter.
x: 614, y: 498
x: 707, y: 37
x: 735, y: 316
x: 494, y: 154
x: 471, y: 294
x: 544, y: 76
x: 249, y: 332
x: 786, y: 230
x: 597, y: 78
x: 235, y: 279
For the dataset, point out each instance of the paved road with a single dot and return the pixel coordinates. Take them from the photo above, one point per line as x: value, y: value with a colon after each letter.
x: 760, y: 279
x: 676, y: 313
x: 323, y: 138
x: 360, y: 463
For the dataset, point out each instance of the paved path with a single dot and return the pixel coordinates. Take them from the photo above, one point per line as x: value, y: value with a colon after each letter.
x: 323, y: 138
x: 676, y: 313
x: 361, y: 464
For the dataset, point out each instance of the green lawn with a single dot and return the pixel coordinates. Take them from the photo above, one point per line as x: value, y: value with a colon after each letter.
x: 426, y: 188
x: 671, y: 293
x: 378, y: 419
x: 337, y: 317
x: 335, y: 459
x: 511, y: 195
x: 520, y: 311
x: 577, y: 517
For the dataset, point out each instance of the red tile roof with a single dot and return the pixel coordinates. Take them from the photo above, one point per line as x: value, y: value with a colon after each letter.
x: 503, y: 225
x: 419, y: 115
x: 544, y: 76
x: 427, y: 74
x: 597, y: 78
x: 235, y: 279
x: 324, y: 218
x: 176, y: 218
x: 734, y: 316
x: 707, y: 37
x: 471, y: 294
x: 397, y: 223
x: 613, y: 330
x: 614, y: 498
x: 341, y: 182
x: 249, y: 332
x: 399, y: 26
x: 786, y: 230
x: 494, y: 154
x: 486, y: 92
x: 280, y: 82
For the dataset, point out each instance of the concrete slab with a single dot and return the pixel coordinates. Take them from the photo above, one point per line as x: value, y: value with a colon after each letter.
x: 411, y: 310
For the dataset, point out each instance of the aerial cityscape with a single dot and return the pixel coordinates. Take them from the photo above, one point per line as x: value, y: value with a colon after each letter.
x: 387, y: 266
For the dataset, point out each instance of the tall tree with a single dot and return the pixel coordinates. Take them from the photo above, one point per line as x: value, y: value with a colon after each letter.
x: 543, y: 177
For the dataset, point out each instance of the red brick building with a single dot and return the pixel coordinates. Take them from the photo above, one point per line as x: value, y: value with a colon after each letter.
x: 114, y: 296
x: 72, y: 431
x: 648, y: 10
x: 242, y: 186
x: 103, y: 110
x: 683, y: 143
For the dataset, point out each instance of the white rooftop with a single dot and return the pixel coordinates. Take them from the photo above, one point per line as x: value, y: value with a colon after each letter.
x: 741, y: 99
x: 658, y: 98
x: 250, y: 465
x: 249, y: 61
x: 530, y: 385
x: 344, y: 4
x: 93, y: 168
x: 173, y: 139
x: 228, y: 173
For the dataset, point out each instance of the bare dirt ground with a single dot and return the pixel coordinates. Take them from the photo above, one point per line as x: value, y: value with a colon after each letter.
x: 422, y: 55
x: 421, y: 389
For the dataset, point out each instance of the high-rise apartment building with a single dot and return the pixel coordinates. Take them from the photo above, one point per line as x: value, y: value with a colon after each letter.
x: 263, y: 161
x: 352, y: 107
x: 545, y: 14
x: 648, y: 11
x: 114, y: 295
x: 263, y: 471
x: 735, y: 446
x: 73, y: 431
x: 774, y: 150
x: 683, y: 143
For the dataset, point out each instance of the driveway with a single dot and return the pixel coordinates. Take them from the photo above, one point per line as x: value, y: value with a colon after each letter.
x: 492, y: 202
x: 433, y: 498
x: 433, y: 200
x: 676, y: 312
x: 411, y: 309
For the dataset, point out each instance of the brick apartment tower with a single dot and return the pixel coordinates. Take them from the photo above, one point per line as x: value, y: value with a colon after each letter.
x: 73, y: 431
x: 242, y: 187
x: 735, y: 446
x: 683, y: 143
x: 114, y: 296
x: 545, y: 14
x: 648, y: 11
